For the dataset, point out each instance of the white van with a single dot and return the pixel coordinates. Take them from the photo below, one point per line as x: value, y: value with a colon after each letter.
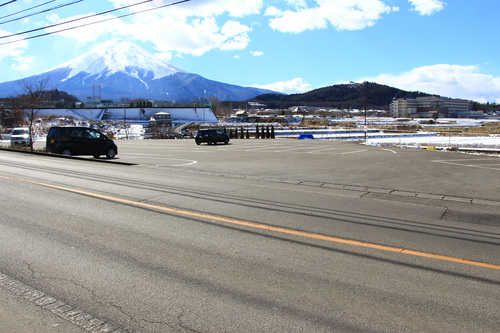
x: 20, y: 136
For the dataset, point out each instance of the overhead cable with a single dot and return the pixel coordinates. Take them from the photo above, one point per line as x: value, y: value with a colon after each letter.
x: 87, y: 24
x: 40, y: 12
x: 27, y: 9
x: 7, y: 3
x: 74, y: 20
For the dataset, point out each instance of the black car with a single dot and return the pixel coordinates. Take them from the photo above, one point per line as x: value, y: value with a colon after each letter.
x: 211, y: 136
x: 80, y: 141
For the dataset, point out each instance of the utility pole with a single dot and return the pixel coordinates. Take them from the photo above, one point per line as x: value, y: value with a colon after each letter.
x: 366, y: 129
x: 93, y: 93
x: 125, y: 118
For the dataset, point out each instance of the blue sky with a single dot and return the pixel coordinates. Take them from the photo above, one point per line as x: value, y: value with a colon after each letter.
x: 447, y: 47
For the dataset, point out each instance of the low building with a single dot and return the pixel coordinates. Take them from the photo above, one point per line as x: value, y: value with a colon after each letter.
x: 160, y: 125
x: 430, y: 106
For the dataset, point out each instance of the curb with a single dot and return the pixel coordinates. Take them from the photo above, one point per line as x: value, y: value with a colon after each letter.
x: 111, y: 161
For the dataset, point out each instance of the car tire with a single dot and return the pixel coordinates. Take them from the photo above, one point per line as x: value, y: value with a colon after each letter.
x: 66, y: 152
x: 96, y: 156
x: 198, y: 143
x: 110, y: 153
x: 226, y: 141
x: 209, y: 142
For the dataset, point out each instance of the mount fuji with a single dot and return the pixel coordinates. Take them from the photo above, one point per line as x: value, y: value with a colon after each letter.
x: 124, y: 70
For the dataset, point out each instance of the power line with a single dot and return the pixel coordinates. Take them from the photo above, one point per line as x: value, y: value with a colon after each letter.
x: 25, y: 10
x: 87, y: 24
x: 74, y: 20
x: 40, y: 12
x: 7, y: 3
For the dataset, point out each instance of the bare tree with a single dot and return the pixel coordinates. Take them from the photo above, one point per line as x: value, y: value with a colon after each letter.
x: 34, y: 92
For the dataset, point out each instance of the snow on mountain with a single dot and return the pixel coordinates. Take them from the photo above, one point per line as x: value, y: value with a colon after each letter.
x: 118, y: 56
x: 124, y: 70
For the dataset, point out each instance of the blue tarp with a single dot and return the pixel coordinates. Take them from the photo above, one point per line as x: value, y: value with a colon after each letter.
x: 306, y: 136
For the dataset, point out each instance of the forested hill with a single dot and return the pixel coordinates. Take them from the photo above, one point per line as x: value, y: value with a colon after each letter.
x: 342, y: 96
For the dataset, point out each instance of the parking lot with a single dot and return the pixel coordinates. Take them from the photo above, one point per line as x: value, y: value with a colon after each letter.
x: 171, y: 225
x: 323, y: 163
x: 326, y: 163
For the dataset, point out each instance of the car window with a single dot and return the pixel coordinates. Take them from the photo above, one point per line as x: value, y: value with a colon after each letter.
x: 54, y: 132
x: 89, y: 133
x: 20, y: 132
x: 76, y: 133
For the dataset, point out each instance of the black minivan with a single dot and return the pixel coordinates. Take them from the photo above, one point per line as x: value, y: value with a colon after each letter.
x: 211, y: 136
x: 80, y: 141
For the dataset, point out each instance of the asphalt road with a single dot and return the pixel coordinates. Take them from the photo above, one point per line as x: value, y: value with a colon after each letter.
x: 254, y: 236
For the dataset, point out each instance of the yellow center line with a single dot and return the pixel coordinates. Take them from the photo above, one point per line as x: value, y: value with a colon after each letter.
x: 263, y: 226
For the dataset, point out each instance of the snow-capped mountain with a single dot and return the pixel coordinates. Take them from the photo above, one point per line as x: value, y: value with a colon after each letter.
x: 119, y: 56
x: 124, y: 70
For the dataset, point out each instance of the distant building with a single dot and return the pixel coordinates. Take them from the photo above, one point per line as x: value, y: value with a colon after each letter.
x: 241, y: 114
x: 256, y: 105
x: 426, y: 107
x: 160, y: 125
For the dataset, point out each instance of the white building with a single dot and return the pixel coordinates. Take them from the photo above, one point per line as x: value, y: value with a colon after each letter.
x: 429, y: 106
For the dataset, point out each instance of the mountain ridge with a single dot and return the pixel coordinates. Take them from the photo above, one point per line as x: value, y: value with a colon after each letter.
x: 123, y: 70
x: 342, y: 96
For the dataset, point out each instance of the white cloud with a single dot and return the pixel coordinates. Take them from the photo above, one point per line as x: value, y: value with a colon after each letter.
x: 189, y: 35
x: 297, y: 3
x: 23, y: 63
x: 199, y: 8
x: 446, y: 80
x: 297, y: 21
x: 195, y: 37
x: 233, y: 28
x: 188, y: 28
x: 427, y: 7
x: 342, y: 14
x: 165, y: 56
x: 236, y: 43
x: 272, y: 11
x: 234, y: 36
x: 12, y: 50
x: 295, y: 86
x: 15, y: 52
x: 257, y: 53
x: 88, y: 33
x: 354, y: 14
x: 235, y: 8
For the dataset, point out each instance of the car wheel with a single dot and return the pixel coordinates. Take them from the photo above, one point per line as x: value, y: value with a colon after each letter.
x: 66, y: 152
x: 110, y: 153
x: 198, y: 143
x: 226, y: 141
x: 209, y: 142
x: 96, y: 156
